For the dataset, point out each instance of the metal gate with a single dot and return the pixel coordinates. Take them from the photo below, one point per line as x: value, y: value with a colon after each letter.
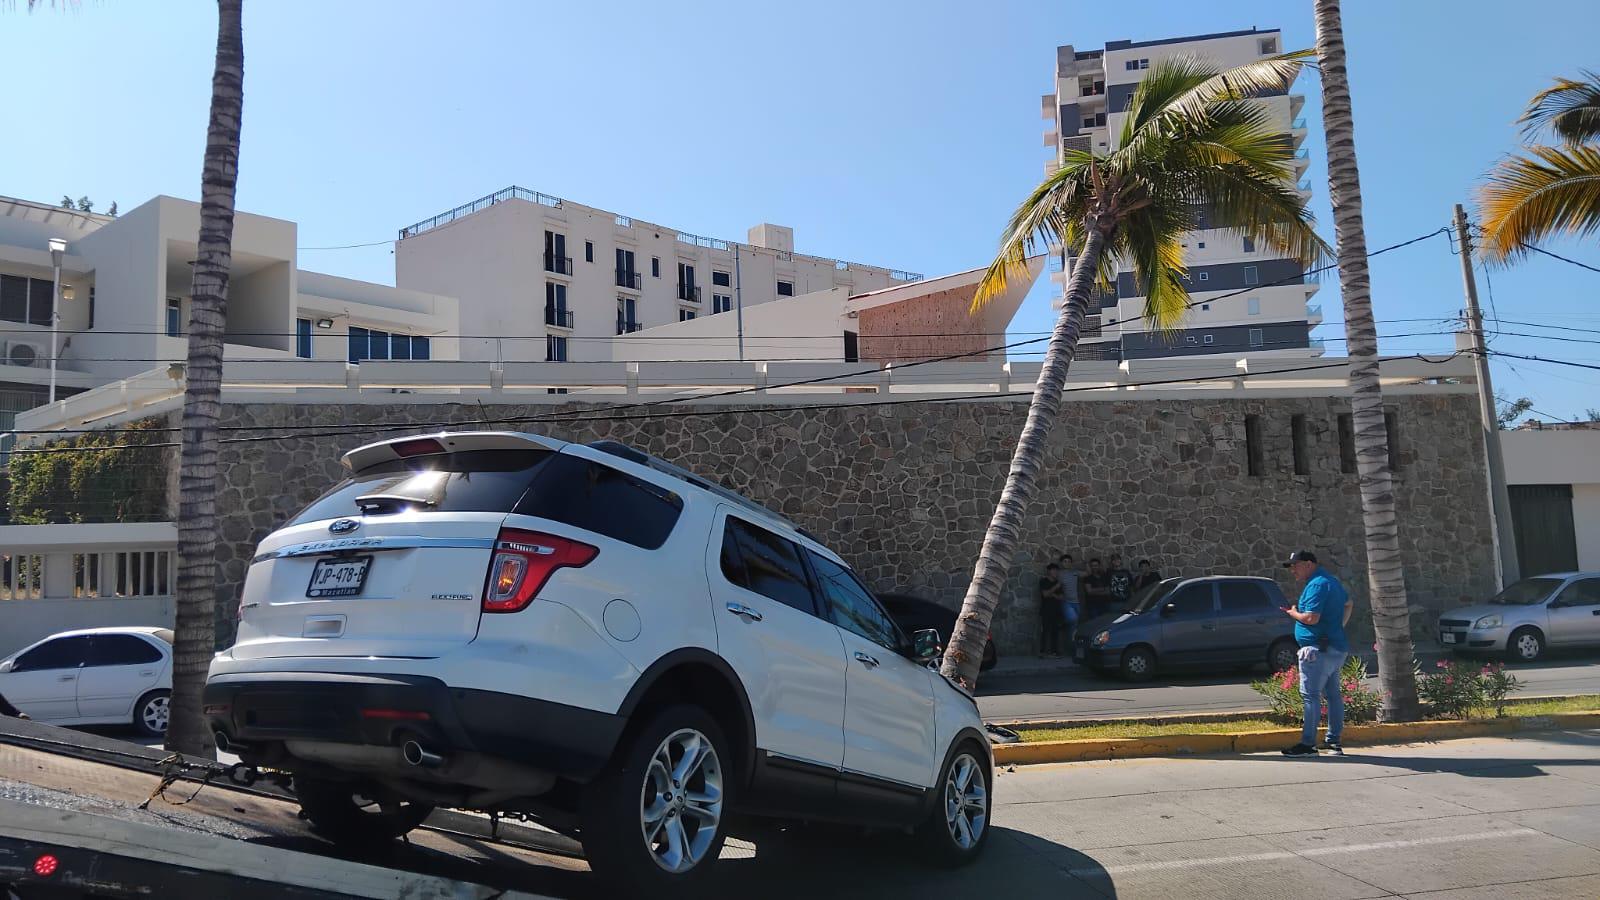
x: 1541, y: 515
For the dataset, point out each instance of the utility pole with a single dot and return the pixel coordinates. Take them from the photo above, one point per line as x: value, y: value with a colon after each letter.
x: 1499, y: 498
x: 738, y: 301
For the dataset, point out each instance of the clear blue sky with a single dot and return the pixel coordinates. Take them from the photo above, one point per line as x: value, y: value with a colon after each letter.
x: 897, y: 133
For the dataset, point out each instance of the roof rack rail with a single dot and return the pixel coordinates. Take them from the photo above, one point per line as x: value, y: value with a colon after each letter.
x: 618, y: 449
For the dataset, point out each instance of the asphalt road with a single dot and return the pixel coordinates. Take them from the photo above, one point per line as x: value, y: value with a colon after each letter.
x: 1077, y: 694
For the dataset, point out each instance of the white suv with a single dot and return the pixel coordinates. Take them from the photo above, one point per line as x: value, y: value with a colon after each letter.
x: 594, y: 637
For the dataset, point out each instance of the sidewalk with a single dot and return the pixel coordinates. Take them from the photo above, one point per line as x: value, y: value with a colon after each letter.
x: 1008, y: 667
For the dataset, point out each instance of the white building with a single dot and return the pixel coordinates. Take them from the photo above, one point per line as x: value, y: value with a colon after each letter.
x: 124, y: 310
x: 546, y: 279
x: 1087, y: 111
x: 1553, y: 477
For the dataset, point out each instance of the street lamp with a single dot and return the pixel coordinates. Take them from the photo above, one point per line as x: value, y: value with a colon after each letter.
x: 58, y: 249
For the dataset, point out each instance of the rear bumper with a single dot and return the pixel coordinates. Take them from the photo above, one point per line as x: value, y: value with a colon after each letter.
x: 261, y: 710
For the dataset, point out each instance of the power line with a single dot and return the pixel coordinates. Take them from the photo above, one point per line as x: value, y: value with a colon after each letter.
x: 1563, y: 258
x: 1544, y: 359
x: 347, y: 246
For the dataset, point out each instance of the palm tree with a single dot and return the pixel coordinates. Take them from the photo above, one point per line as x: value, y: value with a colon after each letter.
x: 197, y: 477
x: 1557, y: 188
x: 1193, y: 139
x: 1391, y: 617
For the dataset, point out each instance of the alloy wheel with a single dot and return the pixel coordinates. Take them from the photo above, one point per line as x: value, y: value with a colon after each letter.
x: 966, y: 802
x: 154, y: 714
x: 681, y: 800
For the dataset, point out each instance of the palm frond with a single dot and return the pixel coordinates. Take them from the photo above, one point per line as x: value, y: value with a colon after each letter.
x: 1263, y: 207
x: 1154, y: 247
x: 1051, y: 212
x: 1528, y: 198
x: 1264, y: 77
x: 1570, y: 109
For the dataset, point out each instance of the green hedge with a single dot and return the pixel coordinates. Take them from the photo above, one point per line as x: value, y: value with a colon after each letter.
x: 128, y: 484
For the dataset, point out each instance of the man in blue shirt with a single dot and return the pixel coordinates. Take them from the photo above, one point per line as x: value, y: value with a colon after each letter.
x: 1320, y: 616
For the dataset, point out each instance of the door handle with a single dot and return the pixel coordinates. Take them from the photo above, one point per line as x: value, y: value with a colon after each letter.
x: 1208, y: 626
x: 866, y: 660
x: 68, y: 678
x: 149, y: 674
x: 739, y: 609
x: 1261, y: 621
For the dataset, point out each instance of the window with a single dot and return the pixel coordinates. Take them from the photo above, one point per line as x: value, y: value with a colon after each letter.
x: 1209, y: 339
x: 764, y: 563
x: 1201, y: 244
x: 627, y: 323
x: 1584, y: 592
x: 421, y: 348
x: 1258, y: 338
x: 626, y: 277
x: 1205, y: 276
x: 1254, y: 453
x: 1300, y: 439
x: 1204, y: 307
x: 358, y: 344
x: 852, y: 347
x: 1132, y: 65
x: 1347, y: 444
x: 555, y: 348
x: 91, y: 306
x: 1391, y: 430
x: 61, y: 653
x: 721, y: 279
x: 174, y: 317
x: 1268, y: 46
x: 1192, y: 601
x: 655, y: 267
x: 121, y: 650
x: 1251, y: 276
x: 721, y: 303
x: 491, y: 481
x: 598, y: 498
x: 378, y: 346
x: 1088, y: 121
x: 1243, y: 597
x: 1249, y: 245
x: 685, y: 315
x: 1252, y: 306
x: 588, y: 251
x: 555, y: 305
x: 1144, y: 63
x: 851, y: 606
x: 1191, y: 339
x: 555, y: 254
x: 1086, y: 85
x: 785, y: 289
x: 302, y: 338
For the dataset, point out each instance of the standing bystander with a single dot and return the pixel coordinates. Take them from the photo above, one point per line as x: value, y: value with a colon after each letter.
x: 1121, y: 581
x: 1071, y: 596
x: 1319, y: 616
x: 1096, y: 590
x: 1050, y: 611
x: 1145, y: 577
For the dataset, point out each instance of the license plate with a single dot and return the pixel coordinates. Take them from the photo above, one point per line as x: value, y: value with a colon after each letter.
x: 339, y: 577
x: 1448, y: 638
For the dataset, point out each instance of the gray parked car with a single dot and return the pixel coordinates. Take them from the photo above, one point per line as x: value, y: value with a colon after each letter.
x: 1558, y: 610
x: 1215, y: 622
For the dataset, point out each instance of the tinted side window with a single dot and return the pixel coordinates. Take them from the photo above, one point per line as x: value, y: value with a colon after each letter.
x: 851, y: 605
x: 1193, y: 601
x: 471, y: 481
x: 598, y: 498
x: 121, y: 650
x: 62, y: 653
x: 1582, y: 593
x: 1242, y: 597
x: 771, y: 566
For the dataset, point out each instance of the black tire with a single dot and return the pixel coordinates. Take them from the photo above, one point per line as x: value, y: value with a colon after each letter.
x: 1138, y: 663
x: 1525, y: 645
x: 1282, y: 655
x: 938, y: 835
x: 990, y: 657
x: 614, y: 816
x: 336, y: 813
x: 150, y: 714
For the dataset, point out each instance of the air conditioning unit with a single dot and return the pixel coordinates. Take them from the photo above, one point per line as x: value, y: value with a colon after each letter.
x: 25, y: 353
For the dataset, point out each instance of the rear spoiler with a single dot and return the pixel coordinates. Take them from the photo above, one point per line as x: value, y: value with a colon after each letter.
x: 445, y: 442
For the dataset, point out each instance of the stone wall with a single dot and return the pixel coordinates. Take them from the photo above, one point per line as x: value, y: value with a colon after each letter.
x: 904, y: 493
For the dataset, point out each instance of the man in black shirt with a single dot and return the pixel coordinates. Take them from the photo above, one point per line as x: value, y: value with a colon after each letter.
x: 1050, y: 616
x: 1096, y: 590
x: 1145, y: 577
x: 1121, y: 581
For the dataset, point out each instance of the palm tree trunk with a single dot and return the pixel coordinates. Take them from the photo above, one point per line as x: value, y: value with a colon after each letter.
x: 965, y: 652
x: 1391, y: 618
x: 197, y: 477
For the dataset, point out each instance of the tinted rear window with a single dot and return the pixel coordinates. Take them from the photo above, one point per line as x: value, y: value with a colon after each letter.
x: 471, y: 481
x: 122, y: 650
x: 1243, y: 596
x: 598, y: 498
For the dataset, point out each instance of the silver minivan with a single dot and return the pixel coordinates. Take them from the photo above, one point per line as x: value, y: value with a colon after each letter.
x: 1528, y: 617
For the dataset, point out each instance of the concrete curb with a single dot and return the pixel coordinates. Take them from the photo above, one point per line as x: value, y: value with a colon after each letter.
x: 1277, y: 739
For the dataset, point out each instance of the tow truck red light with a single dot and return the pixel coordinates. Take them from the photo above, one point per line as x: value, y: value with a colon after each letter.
x: 414, y: 715
x: 46, y: 865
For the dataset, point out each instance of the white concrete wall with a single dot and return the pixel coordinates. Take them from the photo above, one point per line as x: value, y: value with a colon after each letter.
x: 784, y: 329
x: 493, y: 261
x: 1562, y: 457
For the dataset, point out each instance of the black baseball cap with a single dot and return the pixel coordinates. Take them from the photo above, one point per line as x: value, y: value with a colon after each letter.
x: 1300, y: 556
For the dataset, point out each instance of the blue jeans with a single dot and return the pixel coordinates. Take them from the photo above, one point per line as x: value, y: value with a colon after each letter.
x: 1069, y: 615
x: 1319, y: 680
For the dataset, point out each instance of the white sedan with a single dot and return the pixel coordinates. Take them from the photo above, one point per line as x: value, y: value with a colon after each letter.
x: 96, y: 676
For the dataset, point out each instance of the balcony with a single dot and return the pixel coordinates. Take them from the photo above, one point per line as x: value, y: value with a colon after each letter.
x: 629, y: 280
x: 557, y: 317
x: 560, y: 265
x: 1313, y: 312
x: 1299, y: 124
x: 689, y: 293
x: 626, y: 327
x: 1317, y: 346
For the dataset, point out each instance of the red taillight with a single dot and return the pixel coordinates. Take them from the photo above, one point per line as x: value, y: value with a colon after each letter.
x: 523, y: 561
x: 416, y: 447
x: 46, y: 865
x: 408, y: 715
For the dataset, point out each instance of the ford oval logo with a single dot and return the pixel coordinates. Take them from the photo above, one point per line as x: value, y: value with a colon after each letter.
x: 344, y: 526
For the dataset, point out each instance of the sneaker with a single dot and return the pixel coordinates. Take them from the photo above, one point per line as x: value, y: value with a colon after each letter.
x: 1333, y: 747
x: 1301, y: 750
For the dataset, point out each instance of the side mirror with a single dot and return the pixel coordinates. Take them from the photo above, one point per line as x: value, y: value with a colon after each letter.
x: 7, y: 666
x: 925, y: 645
x: 1167, y: 609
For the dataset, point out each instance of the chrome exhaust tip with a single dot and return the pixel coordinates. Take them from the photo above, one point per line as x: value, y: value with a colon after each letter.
x: 416, y: 755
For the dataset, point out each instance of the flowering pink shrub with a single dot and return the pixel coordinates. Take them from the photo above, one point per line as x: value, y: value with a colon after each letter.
x: 1285, y: 703
x: 1458, y: 689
